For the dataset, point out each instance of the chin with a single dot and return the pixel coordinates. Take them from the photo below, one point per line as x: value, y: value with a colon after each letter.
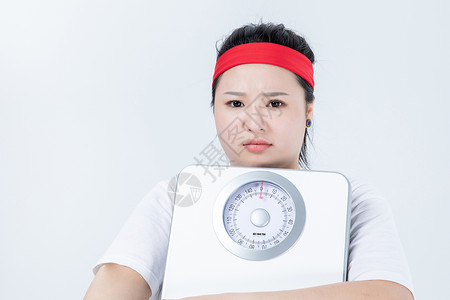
x: 256, y: 163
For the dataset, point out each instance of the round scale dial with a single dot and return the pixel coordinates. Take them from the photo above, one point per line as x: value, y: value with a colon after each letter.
x: 259, y: 215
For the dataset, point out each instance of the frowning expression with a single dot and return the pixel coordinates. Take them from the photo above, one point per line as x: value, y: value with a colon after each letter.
x: 260, y: 114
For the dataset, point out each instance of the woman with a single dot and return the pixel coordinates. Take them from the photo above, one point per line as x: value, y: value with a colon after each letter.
x: 263, y: 85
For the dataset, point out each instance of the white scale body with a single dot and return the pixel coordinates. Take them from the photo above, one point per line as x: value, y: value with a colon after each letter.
x: 258, y: 229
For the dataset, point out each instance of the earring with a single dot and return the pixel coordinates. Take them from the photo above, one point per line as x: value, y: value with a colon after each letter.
x: 308, y: 123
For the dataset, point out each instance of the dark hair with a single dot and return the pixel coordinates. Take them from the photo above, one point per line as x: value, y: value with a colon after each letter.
x: 278, y: 34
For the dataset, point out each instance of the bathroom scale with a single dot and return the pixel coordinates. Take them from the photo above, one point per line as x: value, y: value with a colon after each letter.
x: 251, y: 229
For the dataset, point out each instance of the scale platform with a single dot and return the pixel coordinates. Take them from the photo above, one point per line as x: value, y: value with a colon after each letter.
x: 248, y: 229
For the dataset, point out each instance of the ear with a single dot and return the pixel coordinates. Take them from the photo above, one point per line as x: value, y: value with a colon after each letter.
x: 310, y: 109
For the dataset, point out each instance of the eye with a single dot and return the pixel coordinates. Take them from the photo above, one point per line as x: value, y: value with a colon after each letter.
x: 235, y: 103
x: 277, y: 103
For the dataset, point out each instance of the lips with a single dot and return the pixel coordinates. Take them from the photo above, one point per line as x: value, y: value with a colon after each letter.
x: 256, y: 145
x: 256, y: 142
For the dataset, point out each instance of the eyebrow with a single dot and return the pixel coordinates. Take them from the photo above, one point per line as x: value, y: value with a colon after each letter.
x: 272, y: 94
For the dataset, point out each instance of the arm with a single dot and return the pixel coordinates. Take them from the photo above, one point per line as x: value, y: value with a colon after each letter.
x: 349, y: 290
x: 116, y: 282
x: 133, y: 266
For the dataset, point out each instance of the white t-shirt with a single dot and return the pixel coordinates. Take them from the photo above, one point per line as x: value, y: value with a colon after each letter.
x: 375, y: 251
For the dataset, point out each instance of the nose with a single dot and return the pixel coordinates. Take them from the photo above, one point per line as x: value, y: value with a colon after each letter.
x: 254, y: 118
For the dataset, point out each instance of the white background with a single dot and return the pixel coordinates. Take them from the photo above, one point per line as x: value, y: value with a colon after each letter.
x: 99, y: 100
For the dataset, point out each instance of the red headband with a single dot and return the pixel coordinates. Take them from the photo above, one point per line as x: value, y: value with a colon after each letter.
x: 266, y: 53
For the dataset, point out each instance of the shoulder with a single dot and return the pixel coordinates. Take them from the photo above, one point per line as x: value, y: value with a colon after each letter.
x: 371, y: 215
x: 362, y: 188
x: 160, y: 190
x: 160, y: 196
x: 365, y: 198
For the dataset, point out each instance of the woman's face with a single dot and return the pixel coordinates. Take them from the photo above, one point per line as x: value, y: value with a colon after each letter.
x: 261, y: 102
